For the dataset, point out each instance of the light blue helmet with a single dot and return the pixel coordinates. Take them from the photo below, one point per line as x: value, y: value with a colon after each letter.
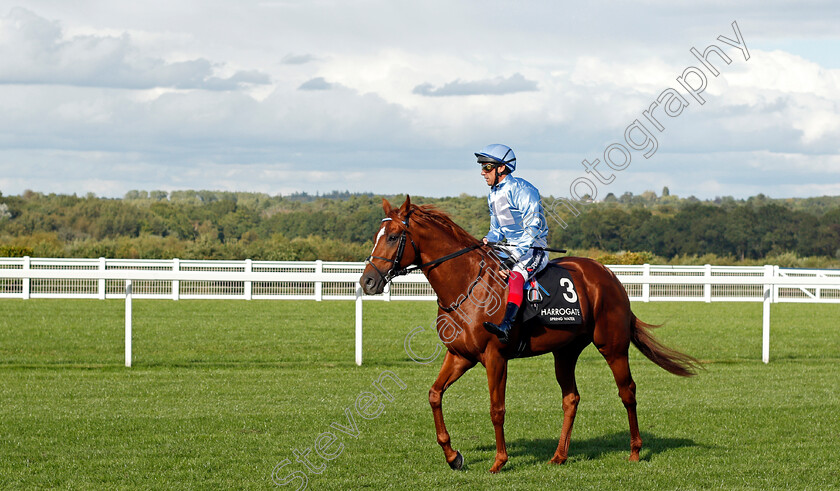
x: 499, y: 154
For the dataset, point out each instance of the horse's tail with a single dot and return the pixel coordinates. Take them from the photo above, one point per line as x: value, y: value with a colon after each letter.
x: 667, y: 358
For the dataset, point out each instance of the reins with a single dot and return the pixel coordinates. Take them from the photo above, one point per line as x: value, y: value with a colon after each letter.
x: 412, y: 267
x: 396, y: 270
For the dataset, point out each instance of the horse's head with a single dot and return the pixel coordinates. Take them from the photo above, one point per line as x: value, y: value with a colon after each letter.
x: 390, y: 256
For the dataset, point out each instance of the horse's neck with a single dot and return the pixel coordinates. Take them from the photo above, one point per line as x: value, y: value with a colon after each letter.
x: 452, y: 278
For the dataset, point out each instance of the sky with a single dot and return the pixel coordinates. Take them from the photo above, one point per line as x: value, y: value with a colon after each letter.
x: 391, y: 97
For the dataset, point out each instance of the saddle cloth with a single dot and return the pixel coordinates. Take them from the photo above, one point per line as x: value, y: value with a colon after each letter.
x: 552, y: 298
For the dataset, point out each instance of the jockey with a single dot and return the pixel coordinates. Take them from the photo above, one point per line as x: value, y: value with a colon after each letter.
x: 516, y: 214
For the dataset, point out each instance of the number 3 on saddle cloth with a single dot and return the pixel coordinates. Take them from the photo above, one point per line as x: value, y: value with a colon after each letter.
x: 552, y: 298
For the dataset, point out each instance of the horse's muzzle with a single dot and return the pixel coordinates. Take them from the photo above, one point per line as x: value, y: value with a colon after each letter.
x: 372, y: 283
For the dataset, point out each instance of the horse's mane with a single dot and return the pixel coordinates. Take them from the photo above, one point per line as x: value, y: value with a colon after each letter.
x: 430, y: 215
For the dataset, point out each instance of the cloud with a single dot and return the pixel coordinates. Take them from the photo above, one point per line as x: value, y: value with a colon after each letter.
x: 493, y: 86
x: 191, y: 128
x: 291, y: 59
x: 35, y: 51
x: 317, y: 83
x: 267, y: 102
x: 237, y: 80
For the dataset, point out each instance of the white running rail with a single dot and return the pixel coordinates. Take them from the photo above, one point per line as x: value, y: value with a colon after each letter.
x: 318, y: 280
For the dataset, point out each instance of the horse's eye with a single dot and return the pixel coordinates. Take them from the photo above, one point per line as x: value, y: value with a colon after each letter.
x: 392, y: 238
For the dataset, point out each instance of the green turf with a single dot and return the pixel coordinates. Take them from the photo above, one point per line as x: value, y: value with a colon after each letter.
x: 223, y: 391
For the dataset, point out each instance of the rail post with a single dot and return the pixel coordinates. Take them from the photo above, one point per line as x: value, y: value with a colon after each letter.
x: 765, y: 323
x: 128, y: 323
x: 359, y: 325
x: 101, y: 280
x: 319, y: 285
x: 248, y: 285
x: 27, y: 282
x: 707, y: 288
x: 176, y: 285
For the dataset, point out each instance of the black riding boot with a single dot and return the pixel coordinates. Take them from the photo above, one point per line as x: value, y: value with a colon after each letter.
x: 503, y: 330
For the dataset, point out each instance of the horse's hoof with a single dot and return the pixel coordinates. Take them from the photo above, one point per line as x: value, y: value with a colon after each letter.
x: 557, y: 461
x: 458, y: 462
x: 497, y: 466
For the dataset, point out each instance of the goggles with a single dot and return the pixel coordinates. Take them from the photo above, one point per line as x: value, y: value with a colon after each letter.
x: 489, y: 167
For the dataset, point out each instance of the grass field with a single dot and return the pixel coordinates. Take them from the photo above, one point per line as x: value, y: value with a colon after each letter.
x: 221, y: 392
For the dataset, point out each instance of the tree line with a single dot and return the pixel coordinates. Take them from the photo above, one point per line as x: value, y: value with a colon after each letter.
x: 340, y: 226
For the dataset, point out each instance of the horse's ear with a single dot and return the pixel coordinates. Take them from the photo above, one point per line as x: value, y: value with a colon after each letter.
x: 405, y: 206
x: 386, y: 206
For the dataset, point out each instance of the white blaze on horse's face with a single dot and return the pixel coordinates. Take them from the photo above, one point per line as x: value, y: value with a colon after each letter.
x: 380, y: 234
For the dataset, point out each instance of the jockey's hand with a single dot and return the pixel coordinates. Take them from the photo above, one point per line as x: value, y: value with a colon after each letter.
x: 484, y: 240
x: 504, y: 273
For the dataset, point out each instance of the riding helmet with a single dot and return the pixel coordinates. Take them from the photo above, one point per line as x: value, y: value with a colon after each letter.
x: 498, y: 154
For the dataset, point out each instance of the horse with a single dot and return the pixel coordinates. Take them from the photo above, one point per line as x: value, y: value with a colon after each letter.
x: 464, y: 274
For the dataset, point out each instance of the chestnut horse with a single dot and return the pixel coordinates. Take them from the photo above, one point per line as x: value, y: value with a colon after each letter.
x: 465, y: 276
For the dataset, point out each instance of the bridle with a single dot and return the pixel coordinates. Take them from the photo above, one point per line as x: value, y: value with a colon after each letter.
x: 397, y: 270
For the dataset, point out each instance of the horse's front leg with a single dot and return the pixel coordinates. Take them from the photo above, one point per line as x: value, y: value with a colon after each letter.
x: 453, y: 367
x: 497, y: 379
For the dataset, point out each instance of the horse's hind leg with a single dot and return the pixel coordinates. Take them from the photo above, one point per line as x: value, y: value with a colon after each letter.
x: 453, y: 367
x: 564, y: 369
x: 616, y: 357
